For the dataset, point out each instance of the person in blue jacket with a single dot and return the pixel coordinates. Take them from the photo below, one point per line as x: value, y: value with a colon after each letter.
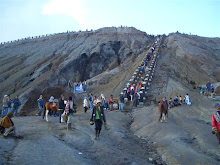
x: 16, y: 105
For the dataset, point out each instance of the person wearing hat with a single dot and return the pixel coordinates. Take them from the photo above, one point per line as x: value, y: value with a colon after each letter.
x: 121, y: 101
x: 216, y: 122
x: 98, y: 117
x: 7, y: 125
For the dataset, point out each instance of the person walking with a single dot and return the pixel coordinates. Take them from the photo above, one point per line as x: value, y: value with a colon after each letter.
x: 16, y: 104
x: 61, y: 107
x: 69, y: 112
x: 121, y: 101
x: 98, y: 117
x: 165, y: 102
x: 216, y: 122
x: 40, y: 104
x: 85, y: 104
x: 5, y: 106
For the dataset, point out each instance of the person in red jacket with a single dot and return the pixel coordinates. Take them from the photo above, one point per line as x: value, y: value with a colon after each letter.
x: 216, y: 122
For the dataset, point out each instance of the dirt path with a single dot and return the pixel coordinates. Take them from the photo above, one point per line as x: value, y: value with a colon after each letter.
x: 50, y: 143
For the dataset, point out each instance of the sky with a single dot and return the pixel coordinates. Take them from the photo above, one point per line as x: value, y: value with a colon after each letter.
x: 27, y: 18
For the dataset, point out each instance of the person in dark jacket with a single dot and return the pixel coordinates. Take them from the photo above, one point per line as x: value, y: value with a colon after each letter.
x: 16, y: 104
x: 61, y: 107
x: 98, y: 117
x: 165, y: 102
x: 40, y: 104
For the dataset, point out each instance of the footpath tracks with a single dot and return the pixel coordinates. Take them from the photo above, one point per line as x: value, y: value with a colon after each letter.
x: 143, y: 75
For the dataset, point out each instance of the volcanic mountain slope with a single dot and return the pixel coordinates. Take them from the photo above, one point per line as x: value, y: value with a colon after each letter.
x: 135, y: 137
x: 39, y: 63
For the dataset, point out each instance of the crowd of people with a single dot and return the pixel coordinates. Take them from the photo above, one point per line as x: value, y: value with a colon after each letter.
x: 10, y: 105
x: 164, y: 105
x: 209, y: 89
x: 77, y: 87
x: 178, y: 100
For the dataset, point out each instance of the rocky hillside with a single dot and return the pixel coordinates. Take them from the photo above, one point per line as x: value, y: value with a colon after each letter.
x: 186, y: 62
x: 36, y: 64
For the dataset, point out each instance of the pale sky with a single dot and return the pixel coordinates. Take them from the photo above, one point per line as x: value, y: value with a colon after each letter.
x: 24, y: 18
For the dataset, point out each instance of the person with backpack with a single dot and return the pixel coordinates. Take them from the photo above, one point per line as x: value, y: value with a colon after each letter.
x: 16, y: 104
x: 69, y: 109
x: 216, y: 122
x: 98, y: 117
x: 40, y: 104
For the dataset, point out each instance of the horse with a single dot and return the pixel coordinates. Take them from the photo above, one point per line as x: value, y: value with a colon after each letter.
x: 162, y: 106
x: 49, y: 106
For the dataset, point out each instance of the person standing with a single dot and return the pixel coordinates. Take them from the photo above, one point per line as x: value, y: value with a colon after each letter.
x: 98, y: 117
x: 61, y: 107
x: 5, y: 106
x: 40, y: 104
x: 69, y: 112
x: 121, y: 101
x: 9, y: 103
x: 85, y: 104
x: 70, y: 85
x: 111, y: 102
x: 216, y: 122
x: 94, y: 101
x: 208, y: 86
x: 102, y: 97
x: 84, y: 85
x: 16, y: 104
x: 91, y: 102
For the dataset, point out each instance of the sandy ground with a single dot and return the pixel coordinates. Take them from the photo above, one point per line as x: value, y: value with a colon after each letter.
x: 134, y: 137
x: 50, y: 142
